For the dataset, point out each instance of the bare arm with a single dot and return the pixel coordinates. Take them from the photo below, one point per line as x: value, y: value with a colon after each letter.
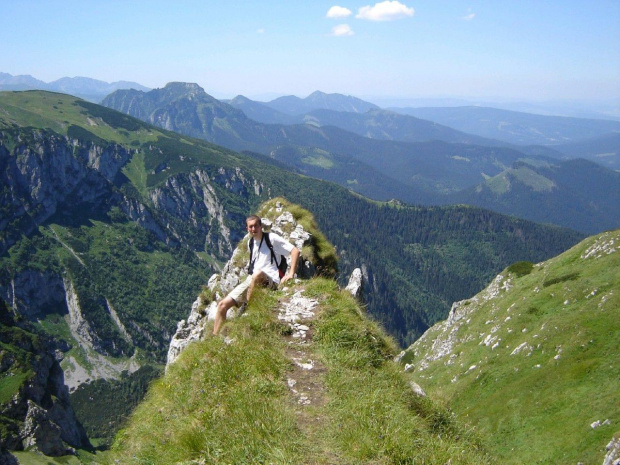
x: 293, y: 267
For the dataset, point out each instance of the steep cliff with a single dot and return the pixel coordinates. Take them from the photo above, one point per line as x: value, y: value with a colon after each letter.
x: 33, y: 393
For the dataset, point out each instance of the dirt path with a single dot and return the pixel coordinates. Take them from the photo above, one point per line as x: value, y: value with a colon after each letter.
x: 306, y: 379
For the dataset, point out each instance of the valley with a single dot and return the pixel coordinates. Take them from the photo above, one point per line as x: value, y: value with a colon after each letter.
x: 122, y: 223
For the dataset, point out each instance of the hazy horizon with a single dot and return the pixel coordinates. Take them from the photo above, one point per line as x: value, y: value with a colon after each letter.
x: 517, y: 50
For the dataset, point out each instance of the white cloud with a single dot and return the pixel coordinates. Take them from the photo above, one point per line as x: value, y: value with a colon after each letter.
x: 385, y: 11
x: 342, y: 30
x: 338, y: 12
x: 261, y: 31
x: 469, y: 16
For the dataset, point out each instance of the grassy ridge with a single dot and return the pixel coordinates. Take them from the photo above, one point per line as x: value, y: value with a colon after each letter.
x: 542, y: 357
x: 229, y: 403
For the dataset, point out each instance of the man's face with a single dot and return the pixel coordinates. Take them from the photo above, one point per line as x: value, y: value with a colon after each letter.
x: 254, y: 228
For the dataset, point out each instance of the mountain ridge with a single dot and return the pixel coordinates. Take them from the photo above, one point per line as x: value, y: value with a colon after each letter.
x: 417, y: 172
x: 538, y: 349
x: 544, y: 190
x: 87, y: 88
x: 514, y: 126
x: 305, y: 332
x: 293, y: 106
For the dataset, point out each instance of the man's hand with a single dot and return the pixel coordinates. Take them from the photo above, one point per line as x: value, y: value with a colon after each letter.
x: 291, y: 274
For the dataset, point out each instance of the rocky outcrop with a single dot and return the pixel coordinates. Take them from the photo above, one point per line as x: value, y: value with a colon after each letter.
x: 32, y: 295
x: 32, y: 292
x: 356, y: 283
x: 141, y: 215
x: 234, y: 271
x: 44, y: 170
x: 192, y: 209
x: 443, y: 336
x: 613, y: 452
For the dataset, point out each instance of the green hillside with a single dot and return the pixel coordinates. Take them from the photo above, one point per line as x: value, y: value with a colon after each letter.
x: 573, y: 193
x: 385, y: 155
x: 247, y: 400
x: 534, y: 360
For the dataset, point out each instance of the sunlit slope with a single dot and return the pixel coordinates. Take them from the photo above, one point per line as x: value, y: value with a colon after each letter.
x: 534, y: 360
x: 231, y: 400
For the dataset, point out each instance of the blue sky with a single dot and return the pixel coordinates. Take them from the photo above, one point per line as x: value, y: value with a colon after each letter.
x: 502, y: 49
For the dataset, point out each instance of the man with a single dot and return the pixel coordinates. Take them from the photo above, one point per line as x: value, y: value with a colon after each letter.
x: 262, y: 268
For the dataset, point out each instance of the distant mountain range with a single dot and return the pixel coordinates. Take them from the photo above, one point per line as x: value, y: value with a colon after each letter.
x: 576, y: 192
x: 292, y: 105
x: 516, y: 127
x: 604, y: 150
x: 384, y: 155
x: 554, y: 136
x: 83, y: 87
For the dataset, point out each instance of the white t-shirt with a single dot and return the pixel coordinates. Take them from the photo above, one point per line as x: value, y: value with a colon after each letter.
x: 262, y: 256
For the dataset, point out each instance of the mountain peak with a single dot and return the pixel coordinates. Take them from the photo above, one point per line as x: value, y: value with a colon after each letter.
x: 188, y: 89
x: 317, y: 93
x: 318, y: 100
x: 191, y: 86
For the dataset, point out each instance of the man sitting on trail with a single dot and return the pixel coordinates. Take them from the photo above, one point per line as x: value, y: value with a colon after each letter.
x: 263, y: 267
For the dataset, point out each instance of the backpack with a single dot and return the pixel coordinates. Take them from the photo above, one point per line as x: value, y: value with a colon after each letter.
x: 282, y: 266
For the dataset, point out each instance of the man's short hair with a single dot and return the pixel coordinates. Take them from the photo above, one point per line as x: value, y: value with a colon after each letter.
x: 254, y: 217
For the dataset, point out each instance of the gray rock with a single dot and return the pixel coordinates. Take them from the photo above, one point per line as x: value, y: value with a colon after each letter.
x: 417, y: 389
x: 356, y: 284
x: 41, y: 432
x: 221, y: 284
x: 613, y: 452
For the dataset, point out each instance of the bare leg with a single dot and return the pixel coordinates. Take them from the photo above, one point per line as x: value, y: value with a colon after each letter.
x: 220, y: 315
x: 257, y: 278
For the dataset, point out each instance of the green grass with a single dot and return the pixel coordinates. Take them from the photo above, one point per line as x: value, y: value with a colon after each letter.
x: 565, y: 311
x: 10, y: 383
x: 36, y: 458
x: 375, y: 417
x: 221, y: 403
x: 59, y: 112
x: 218, y: 402
x: 533, y: 180
x: 319, y: 160
x: 136, y: 173
x: 499, y: 184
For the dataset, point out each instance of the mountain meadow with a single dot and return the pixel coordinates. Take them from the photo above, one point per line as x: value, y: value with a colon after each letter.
x: 533, y: 361
x: 109, y: 229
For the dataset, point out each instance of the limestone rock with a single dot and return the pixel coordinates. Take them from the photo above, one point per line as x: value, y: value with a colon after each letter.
x: 221, y: 284
x: 40, y: 432
x: 415, y: 387
x: 613, y: 452
x: 355, y: 285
